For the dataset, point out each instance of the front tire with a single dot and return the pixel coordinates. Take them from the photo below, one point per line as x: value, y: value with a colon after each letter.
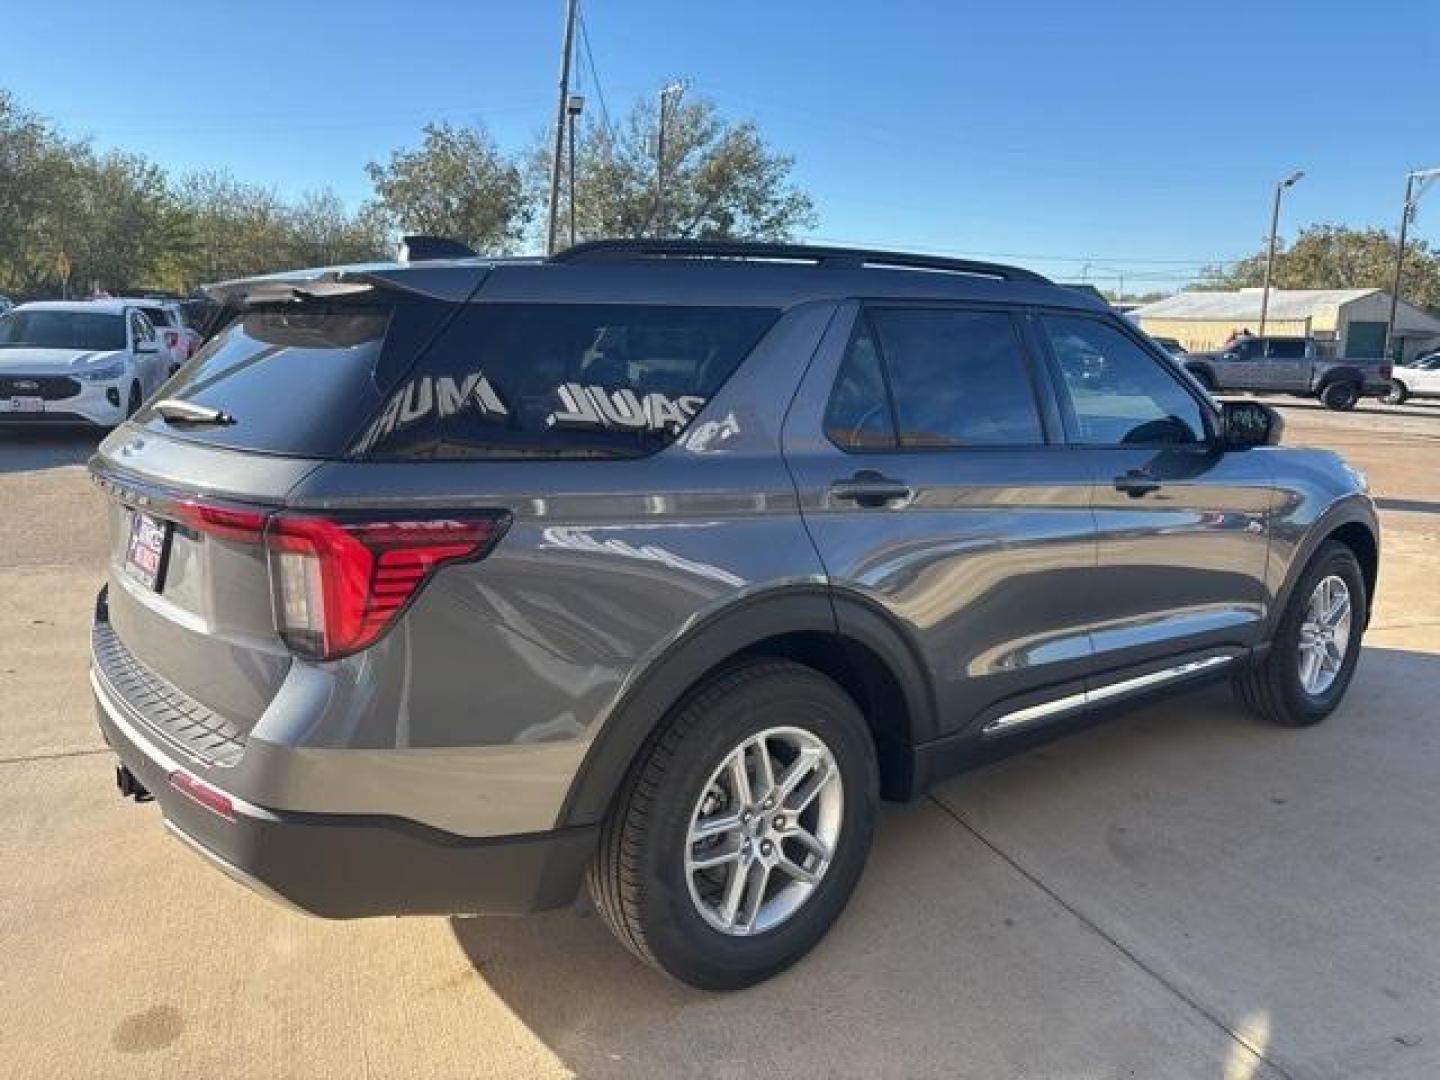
x: 1316, y: 645
x: 1340, y: 396
x: 742, y: 829
x: 1397, y: 394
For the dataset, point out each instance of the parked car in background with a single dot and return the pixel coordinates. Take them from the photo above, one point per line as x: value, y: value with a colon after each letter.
x: 77, y: 362
x: 1418, y: 379
x: 1289, y: 365
x: 441, y: 587
x: 168, y: 318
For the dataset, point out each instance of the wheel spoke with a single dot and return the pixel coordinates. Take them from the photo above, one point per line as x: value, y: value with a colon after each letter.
x: 811, y: 843
x: 740, y: 778
x: 714, y: 858
x: 714, y: 826
x: 804, y: 763
x: 754, y: 895
x: 786, y: 865
x: 764, y: 768
x: 819, y: 779
x: 734, y: 892
x: 1338, y: 609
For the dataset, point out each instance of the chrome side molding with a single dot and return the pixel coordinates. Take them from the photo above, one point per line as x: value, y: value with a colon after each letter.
x: 1012, y: 721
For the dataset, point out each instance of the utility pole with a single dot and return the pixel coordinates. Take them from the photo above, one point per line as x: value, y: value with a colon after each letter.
x: 573, y: 108
x: 675, y: 89
x: 1289, y: 181
x: 1412, y: 197
x: 557, y: 163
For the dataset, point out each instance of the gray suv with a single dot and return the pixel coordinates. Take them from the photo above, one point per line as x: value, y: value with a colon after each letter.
x: 442, y: 586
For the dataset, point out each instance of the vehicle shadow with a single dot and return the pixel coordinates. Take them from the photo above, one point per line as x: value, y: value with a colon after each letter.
x: 32, y: 449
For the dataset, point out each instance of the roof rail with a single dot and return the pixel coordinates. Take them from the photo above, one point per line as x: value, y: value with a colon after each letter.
x: 598, y: 251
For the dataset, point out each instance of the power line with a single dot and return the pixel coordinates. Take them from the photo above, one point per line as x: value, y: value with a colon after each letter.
x: 595, y: 76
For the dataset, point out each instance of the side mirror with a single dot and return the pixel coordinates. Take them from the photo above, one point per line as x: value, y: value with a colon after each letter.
x: 1249, y: 423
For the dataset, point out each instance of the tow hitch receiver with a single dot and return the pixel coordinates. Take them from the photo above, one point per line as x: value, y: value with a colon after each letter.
x: 129, y: 786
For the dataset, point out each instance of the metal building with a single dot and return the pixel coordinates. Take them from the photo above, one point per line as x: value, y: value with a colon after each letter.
x: 1351, y: 322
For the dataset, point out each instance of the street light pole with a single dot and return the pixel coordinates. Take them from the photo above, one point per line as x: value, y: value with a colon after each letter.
x: 1289, y: 181
x: 573, y: 109
x: 556, y: 163
x: 1412, y: 197
x: 670, y: 89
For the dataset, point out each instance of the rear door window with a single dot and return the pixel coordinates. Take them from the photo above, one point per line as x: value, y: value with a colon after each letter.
x: 561, y: 381
x: 957, y: 378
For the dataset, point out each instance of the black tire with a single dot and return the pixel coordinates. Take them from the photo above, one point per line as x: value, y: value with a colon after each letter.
x: 1397, y: 394
x: 1340, y: 396
x: 638, y: 879
x: 132, y: 403
x: 1271, y: 688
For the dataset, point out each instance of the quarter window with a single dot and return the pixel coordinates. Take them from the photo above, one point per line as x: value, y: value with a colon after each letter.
x: 858, y: 416
x: 1117, y: 392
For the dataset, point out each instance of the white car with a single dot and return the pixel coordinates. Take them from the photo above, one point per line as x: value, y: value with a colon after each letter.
x: 77, y: 362
x: 1418, y: 380
x: 168, y: 318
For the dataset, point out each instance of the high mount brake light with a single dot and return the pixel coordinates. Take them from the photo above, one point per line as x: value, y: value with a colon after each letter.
x: 340, y: 581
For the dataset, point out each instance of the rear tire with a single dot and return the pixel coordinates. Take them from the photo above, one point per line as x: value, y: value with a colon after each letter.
x: 1340, y: 396
x: 1275, y: 688
x: 643, y: 880
x: 1397, y: 394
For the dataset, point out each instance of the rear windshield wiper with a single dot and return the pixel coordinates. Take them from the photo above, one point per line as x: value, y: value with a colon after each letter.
x: 175, y: 411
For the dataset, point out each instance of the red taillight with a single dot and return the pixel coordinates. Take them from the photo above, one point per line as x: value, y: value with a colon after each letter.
x: 172, y: 338
x: 218, y: 519
x: 1385, y: 371
x: 340, y: 582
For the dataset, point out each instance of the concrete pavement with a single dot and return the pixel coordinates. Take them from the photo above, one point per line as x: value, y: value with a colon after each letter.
x: 1180, y: 892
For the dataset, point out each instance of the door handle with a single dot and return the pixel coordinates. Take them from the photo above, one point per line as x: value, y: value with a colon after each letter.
x: 1136, y: 482
x: 870, y: 489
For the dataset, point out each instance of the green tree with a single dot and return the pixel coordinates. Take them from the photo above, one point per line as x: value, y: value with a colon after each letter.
x: 1338, y: 257
x: 456, y: 183
x: 722, y: 180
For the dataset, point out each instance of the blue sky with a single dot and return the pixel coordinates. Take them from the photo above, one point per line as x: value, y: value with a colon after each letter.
x: 1142, y: 138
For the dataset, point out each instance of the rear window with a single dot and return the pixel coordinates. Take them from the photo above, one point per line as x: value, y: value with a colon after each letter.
x: 562, y: 381
x: 298, y: 379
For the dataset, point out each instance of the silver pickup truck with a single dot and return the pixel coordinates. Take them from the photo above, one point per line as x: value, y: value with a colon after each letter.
x: 1290, y: 365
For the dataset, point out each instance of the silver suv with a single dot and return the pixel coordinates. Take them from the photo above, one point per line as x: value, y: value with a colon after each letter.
x: 438, y: 587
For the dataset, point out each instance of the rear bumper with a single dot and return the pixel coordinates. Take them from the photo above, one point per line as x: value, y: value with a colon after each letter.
x: 347, y: 866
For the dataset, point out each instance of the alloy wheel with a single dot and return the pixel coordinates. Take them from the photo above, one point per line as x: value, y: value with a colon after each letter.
x: 1324, y: 635
x: 764, y: 830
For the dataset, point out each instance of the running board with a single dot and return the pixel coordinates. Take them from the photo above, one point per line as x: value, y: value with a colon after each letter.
x: 1021, y: 718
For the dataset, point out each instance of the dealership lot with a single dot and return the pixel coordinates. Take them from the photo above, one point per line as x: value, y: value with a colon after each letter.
x: 1178, y: 892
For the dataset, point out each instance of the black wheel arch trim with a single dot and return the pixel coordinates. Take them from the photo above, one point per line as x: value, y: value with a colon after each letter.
x: 723, y: 635
x: 1354, y: 509
x: 1341, y: 375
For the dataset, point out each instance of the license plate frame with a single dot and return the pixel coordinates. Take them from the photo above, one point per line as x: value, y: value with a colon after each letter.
x: 147, y: 549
